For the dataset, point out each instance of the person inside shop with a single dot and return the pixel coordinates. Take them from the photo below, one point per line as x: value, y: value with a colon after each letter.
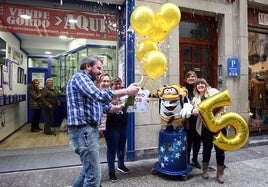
x: 257, y: 97
x: 50, y: 102
x: 116, y: 134
x: 202, y: 91
x: 193, y: 138
x: 35, y: 103
x: 85, y: 103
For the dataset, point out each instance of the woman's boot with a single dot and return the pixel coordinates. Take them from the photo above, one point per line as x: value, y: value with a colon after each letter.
x: 205, y: 170
x: 220, y: 173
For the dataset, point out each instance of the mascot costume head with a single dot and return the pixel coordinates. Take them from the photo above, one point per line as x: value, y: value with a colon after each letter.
x: 171, y: 103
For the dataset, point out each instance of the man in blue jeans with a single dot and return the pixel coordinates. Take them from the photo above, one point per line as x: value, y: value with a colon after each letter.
x: 84, y: 113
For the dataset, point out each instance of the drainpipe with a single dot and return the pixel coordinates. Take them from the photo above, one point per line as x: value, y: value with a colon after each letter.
x: 130, y: 72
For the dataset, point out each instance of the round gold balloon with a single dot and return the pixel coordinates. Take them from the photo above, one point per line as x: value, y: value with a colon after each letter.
x: 169, y: 16
x: 241, y: 135
x: 158, y: 33
x: 144, y: 46
x: 154, y: 64
x: 142, y: 19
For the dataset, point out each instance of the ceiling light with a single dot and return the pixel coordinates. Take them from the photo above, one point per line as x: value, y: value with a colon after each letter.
x: 72, y: 21
x: 48, y: 53
x: 25, y: 16
x: 62, y: 37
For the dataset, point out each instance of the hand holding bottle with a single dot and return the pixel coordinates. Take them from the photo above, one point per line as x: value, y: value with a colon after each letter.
x: 133, y: 89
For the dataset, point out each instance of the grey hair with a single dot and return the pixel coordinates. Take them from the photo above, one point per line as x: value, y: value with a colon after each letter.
x: 91, y: 60
x: 49, y: 79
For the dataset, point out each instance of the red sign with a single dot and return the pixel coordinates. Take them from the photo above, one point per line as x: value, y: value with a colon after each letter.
x: 54, y: 22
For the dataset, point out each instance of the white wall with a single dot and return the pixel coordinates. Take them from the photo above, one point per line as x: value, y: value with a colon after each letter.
x: 14, y: 115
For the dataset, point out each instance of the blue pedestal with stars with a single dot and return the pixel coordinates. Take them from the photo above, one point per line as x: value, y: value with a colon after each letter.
x: 173, y: 153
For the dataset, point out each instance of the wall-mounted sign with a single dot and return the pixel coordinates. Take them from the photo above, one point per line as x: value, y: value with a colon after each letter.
x: 55, y: 22
x: 263, y: 19
x: 17, y: 56
x: 233, y: 67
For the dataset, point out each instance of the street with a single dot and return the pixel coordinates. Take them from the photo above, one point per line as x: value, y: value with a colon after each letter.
x: 245, y: 167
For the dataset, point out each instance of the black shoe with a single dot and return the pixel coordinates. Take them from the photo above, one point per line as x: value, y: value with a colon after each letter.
x: 50, y: 133
x: 123, y: 169
x: 112, y: 176
x: 34, y: 130
x: 39, y: 129
x: 196, y: 164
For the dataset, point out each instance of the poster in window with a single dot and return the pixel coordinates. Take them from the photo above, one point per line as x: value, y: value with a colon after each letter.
x: 10, y: 74
x: 2, y: 51
x: 18, y: 75
x: 1, y: 76
x: 5, y: 74
x: 17, y: 56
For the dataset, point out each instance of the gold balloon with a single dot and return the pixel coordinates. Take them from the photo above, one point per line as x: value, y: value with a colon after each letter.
x: 154, y: 64
x: 142, y: 19
x: 158, y: 33
x: 241, y: 135
x: 144, y: 46
x: 169, y: 16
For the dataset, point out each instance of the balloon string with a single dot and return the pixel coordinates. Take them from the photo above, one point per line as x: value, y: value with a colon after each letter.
x: 143, y: 84
x: 141, y: 80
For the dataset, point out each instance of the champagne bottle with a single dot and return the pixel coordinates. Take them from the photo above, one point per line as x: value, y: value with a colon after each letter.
x: 129, y: 102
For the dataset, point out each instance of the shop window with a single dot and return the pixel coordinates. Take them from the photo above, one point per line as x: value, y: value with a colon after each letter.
x: 194, y: 30
x: 188, y: 54
x: 258, y: 78
x: 67, y: 64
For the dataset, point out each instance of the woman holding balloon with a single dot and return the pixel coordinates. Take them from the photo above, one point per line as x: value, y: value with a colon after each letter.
x: 202, y: 91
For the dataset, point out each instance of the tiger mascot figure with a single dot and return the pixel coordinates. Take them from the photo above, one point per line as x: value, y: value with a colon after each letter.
x: 174, y: 107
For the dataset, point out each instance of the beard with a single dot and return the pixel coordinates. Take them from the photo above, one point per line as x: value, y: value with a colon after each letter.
x: 94, y: 77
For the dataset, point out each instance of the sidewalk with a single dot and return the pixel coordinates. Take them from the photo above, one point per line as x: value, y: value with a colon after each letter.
x: 246, y: 167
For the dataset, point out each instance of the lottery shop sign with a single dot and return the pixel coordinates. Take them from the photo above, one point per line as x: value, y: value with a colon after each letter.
x: 54, y: 22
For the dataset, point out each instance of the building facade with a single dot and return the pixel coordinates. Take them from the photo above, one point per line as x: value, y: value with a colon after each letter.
x: 210, y: 38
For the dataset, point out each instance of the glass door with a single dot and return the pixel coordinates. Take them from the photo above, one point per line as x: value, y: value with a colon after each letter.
x: 41, y: 75
x: 198, y: 47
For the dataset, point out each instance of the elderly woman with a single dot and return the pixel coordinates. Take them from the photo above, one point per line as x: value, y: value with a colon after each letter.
x: 50, y: 101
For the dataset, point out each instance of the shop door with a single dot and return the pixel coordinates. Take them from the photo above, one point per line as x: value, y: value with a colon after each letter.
x: 36, y: 73
x: 198, y: 48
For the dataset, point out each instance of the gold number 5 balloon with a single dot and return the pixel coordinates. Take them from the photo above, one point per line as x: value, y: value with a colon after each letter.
x: 206, y: 108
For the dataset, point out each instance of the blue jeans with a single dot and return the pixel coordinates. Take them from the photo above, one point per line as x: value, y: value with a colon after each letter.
x: 116, y: 142
x: 85, y: 142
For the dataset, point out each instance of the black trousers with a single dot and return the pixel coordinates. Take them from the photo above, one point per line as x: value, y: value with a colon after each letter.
x: 193, y: 139
x: 48, y: 118
x: 207, y: 139
x: 35, y: 119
